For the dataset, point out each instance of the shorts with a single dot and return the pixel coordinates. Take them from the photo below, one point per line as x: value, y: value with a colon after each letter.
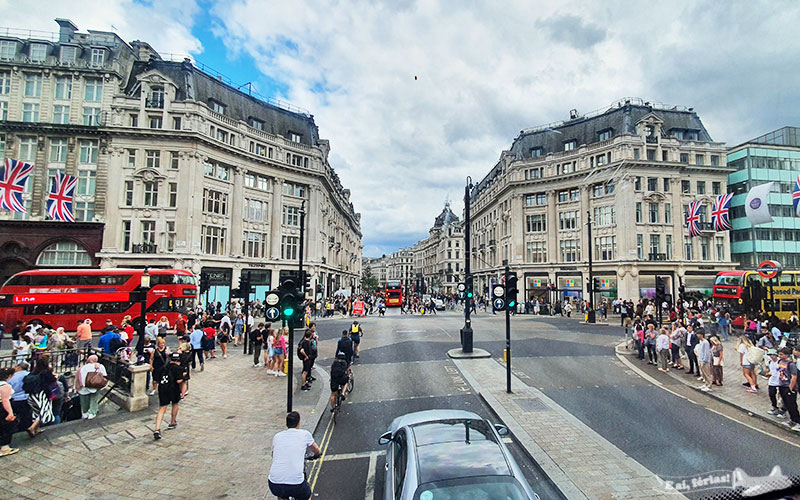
x: 302, y: 490
x: 270, y: 352
x: 337, y: 384
x: 278, y: 351
x: 747, y: 365
x: 307, y: 364
x: 168, y: 396
x: 356, y: 339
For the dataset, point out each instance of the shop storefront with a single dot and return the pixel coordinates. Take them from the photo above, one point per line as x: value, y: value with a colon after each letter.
x: 608, y: 287
x: 647, y: 285
x: 537, y: 288
x: 570, y: 287
x: 219, y: 280
x: 260, y: 280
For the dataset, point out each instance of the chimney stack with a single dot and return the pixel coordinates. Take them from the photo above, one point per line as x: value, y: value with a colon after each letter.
x: 66, y: 31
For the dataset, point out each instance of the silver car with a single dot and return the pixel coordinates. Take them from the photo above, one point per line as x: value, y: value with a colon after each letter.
x: 450, y: 455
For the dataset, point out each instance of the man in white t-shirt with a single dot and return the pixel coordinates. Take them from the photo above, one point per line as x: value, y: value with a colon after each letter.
x: 287, y: 473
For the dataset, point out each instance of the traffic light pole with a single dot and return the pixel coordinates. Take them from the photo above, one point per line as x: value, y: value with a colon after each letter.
x: 590, y: 313
x: 290, y: 356
x: 508, y: 335
x: 466, y: 332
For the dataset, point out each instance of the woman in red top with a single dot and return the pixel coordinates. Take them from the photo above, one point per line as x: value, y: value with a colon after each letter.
x: 180, y: 326
x: 211, y: 333
x: 126, y: 325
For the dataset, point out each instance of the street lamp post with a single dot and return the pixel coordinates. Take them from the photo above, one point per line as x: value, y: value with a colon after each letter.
x: 144, y: 286
x: 466, y: 332
x: 590, y: 313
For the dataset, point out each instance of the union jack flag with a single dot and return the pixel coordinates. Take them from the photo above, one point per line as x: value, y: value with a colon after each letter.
x: 796, y: 196
x: 720, y: 211
x: 693, y: 219
x: 59, y: 202
x: 13, y: 177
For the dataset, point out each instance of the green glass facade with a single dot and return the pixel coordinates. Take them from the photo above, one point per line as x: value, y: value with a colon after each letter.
x: 772, y: 157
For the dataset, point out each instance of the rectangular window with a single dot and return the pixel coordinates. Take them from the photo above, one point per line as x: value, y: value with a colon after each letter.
x: 655, y: 244
x: 570, y: 145
x: 688, y: 250
x: 131, y: 158
x: 637, y: 183
x: 666, y: 185
x: 652, y: 184
x: 597, y: 190
x: 91, y: 116
x: 639, y: 246
x: 605, y: 216
x: 126, y: 235
x: 93, y: 90
x: 574, y: 194
x: 33, y: 85
x: 218, y: 107
x: 535, y: 251
x: 716, y: 188
x: 685, y: 187
x: 720, y: 246
x: 27, y: 150
x: 173, y: 194
x: 705, y: 253
x: 684, y: 157
x: 215, y: 202
x: 638, y: 211
x: 98, y: 57
x: 536, y: 152
x: 148, y: 232
x: 289, y: 245
x: 715, y: 160
x: 153, y: 158
x: 536, y: 223
x: 651, y: 155
x: 249, y: 180
x: 171, y: 235
x: 699, y: 159
x: 174, y: 160
x: 294, y: 190
x: 68, y: 54
x: 570, y: 250
x: 636, y: 153
x: 30, y: 112
x: 156, y: 122
x: 5, y: 82
x: 291, y: 215
x: 668, y: 249
x: 63, y: 89
x: 88, y: 152
x: 256, y: 124
x: 605, y: 247
x: 701, y: 187
x: 60, y: 114
x: 256, y: 210
x: 664, y: 155
x: 84, y: 211
x: 604, y: 135
x: 263, y: 183
x: 294, y: 137
x: 150, y: 193
x: 176, y: 123
x: 58, y: 151
x: 8, y: 49
x: 568, y: 220
x: 667, y: 213
x: 3, y: 110
x: 653, y: 210
x: 213, y: 240
x: 128, y: 193
x: 254, y: 244
x: 563, y: 196
x: 134, y: 120
x: 86, y: 182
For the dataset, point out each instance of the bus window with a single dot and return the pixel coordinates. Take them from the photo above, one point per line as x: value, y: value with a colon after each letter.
x: 788, y: 305
x: 752, y: 279
x: 787, y: 279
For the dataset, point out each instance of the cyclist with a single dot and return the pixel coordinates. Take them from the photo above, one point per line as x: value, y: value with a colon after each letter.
x: 287, y: 473
x: 345, y: 345
x: 339, y: 369
x: 356, y: 332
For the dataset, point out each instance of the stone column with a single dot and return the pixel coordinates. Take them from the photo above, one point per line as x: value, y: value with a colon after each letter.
x: 517, y: 250
x: 583, y: 232
x: 275, y: 223
x: 313, y: 215
x: 552, y: 227
x: 137, y: 399
x: 112, y: 238
x: 237, y: 209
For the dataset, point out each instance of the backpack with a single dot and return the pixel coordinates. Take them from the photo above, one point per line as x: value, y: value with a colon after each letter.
x: 31, y: 384
x: 116, y: 343
x: 755, y: 355
x: 338, y: 369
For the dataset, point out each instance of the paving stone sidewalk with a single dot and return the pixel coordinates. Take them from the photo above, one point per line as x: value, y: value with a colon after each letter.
x: 732, y: 391
x: 581, y: 463
x: 221, y: 448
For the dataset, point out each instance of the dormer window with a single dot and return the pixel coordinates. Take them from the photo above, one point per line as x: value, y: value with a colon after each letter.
x: 38, y: 52
x: 156, y: 97
x: 537, y: 152
x: 294, y: 137
x: 257, y: 124
x: 570, y: 145
x: 8, y: 49
x: 68, y: 54
x: 605, y: 135
x: 216, y: 106
x: 98, y: 57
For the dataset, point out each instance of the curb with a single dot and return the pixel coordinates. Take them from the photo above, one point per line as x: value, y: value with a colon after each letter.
x: 711, y: 395
x: 312, y: 421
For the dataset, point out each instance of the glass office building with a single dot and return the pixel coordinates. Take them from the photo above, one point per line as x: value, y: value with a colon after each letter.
x: 772, y: 157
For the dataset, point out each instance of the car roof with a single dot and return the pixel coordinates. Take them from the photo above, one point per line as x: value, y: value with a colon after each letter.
x: 430, y: 415
x: 452, y: 460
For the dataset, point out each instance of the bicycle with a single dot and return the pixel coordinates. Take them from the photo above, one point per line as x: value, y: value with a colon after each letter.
x: 340, y: 396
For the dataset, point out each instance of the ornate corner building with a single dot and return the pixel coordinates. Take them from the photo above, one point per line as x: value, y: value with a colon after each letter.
x: 439, y: 257
x: 176, y: 168
x: 634, y: 167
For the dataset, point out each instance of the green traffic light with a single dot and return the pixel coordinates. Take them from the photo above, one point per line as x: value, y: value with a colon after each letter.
x: 512, y: 304
x: 288, y: 312
x: 469, y: 295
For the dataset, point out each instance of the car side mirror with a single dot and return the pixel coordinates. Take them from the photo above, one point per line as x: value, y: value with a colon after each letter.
x: 385, y: 438
x: 501, y: 429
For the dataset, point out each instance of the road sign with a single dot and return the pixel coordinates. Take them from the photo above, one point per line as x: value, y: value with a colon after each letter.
x: 499, y: 291
x: 499, y: 303
x: 462, y: 287
x: 358, y: 308
x: 273, y: 313
x: 272, y: 299
x: 769, y: 269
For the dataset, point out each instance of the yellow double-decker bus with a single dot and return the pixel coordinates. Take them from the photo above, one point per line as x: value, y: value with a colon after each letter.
x: 744, y: 293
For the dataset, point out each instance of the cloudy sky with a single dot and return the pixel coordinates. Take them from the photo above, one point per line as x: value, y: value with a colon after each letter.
x: 415, y: 96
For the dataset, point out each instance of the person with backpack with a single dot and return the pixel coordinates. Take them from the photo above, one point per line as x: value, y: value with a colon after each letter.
x: 312, y: 327
x: 356, y: 332
x: 105, y: 342
x: 304, y: 353
x: 90, y: 378
x: 256, y: 341
x: 638, y: 336
x: 158, y: 360
x: 169, y: 392
x: 345, y: 345
x: 339, y: 369
x: 691, y: 343
x: 787, y: 386
x: 8, y: 420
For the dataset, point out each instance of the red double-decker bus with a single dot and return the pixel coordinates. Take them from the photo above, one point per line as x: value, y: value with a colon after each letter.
x: 744, y: 293
x: 62, y: 297
x: 394, y: 293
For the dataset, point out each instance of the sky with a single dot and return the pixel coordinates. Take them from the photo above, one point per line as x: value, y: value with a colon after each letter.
x: 415, y: 96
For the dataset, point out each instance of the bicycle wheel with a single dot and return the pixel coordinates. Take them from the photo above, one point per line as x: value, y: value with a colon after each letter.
x: 351, y: 382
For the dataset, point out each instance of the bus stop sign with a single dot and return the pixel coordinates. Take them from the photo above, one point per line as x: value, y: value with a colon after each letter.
x: 769, y: 269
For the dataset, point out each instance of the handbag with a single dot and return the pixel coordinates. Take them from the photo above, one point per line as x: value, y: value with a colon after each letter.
x: 95, y: 380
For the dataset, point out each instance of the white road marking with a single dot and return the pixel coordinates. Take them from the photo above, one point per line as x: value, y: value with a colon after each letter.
x: 369, y: 491
x: 355, y: 456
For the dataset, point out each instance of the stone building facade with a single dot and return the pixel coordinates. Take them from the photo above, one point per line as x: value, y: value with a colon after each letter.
x: 183, y: 169
x: 634, y: 168
x: 439, y: 258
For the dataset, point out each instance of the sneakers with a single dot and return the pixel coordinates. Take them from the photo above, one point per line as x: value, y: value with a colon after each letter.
x: 157, y: 435
x: 311, y: 379
x: 89, y: 416
x: 172, y: 426
x: 790, y: 424
x: 705, y: 389
x: 10, y: 451
x: 152, y: 393
x: 774, y: 412
x: 225, y: 356
x: 202, y: 367
x: 306, y: 387
x: 270, y: 372
x: 752, y: 391
x: 86, y: 415
x: 780, y: 415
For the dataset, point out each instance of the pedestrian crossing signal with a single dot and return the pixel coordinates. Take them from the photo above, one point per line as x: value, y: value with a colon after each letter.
x: 511, y: 291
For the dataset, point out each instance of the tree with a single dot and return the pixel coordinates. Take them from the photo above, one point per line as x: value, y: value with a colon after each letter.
x: 369, y: 282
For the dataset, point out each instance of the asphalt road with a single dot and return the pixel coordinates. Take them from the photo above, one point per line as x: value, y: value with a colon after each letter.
x: 403, y: 368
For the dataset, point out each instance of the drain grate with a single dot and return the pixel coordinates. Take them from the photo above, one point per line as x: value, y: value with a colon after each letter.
x: 531, y: 404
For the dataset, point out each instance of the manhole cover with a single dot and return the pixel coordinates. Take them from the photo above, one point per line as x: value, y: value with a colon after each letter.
x: 531, y: 404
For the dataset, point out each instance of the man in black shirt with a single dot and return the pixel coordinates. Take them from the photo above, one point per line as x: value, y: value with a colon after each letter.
x: 345, y: 346
x: 256, y: 340
x: 304, y: 352
x: 169, y: 392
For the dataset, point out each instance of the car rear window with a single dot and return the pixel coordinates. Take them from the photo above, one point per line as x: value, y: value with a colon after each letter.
x: 443, y: 431
x: 452, y: 460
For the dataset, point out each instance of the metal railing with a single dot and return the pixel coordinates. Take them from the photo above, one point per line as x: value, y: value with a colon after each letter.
x: 154, y: 102
x: 656, y: 256
x: 144, y: 248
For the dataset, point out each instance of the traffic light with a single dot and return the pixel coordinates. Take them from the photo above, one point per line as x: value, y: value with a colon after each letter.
x: 288, y: 305
x: 682, y: 292
x: 596, y: 285
x: 498, y: 297
x: 511, y: 291
x: 319, y: 290
x: 661, y: 288
x: 469, y: 291
x: 307, y: 281
x: 205, y: 283
x: 244, y: 287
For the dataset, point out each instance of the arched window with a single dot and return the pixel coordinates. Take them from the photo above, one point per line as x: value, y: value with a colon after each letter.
x: 64, y: 253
